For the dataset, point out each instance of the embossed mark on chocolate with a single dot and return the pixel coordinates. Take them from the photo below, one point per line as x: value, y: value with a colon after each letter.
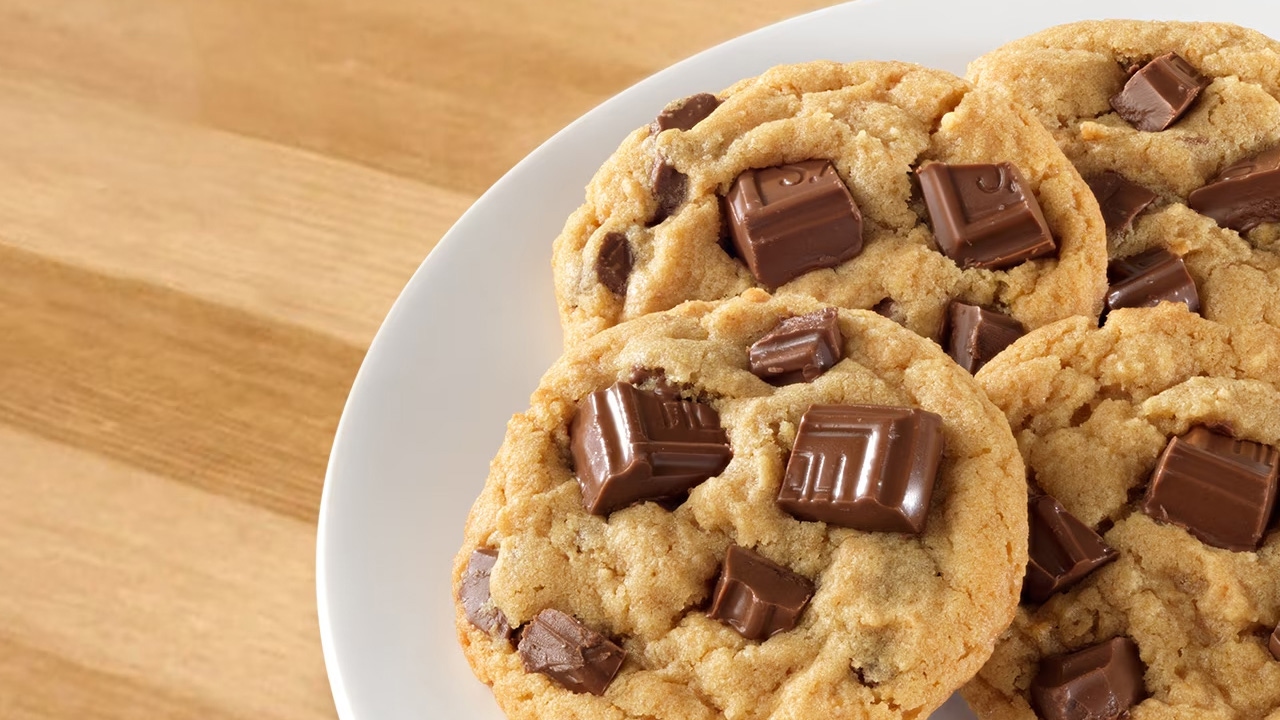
x: 1159, y: 93
x: 1097, y: 683
x: 562, y: 648
x: 1063, y: 550
x: 869, y: 467
x: 791, y: 219
x: 984, y: 215
x: 1218, y: 488
x: 758, y: 597
x: 799, y: 349
x: 1244, y: 195
x: 1145, y: 279
x: 975, y: 335
x: 613, y: 266
x: 630, y: 445
x: 474, y: 594
x: 670, y: 186
x: 1120, y: 199
x: 685, y: 113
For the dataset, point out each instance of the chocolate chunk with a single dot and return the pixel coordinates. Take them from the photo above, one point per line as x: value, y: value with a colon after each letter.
x: 799, y: 349
x: 869, y: 467
x: 791, y: 219
x: 1244, y: 195
x: 613, y: 266
x: 1098, y: 683
x: 975, y: 335
x: 983, y: 216
x: 1121, y: 199
x: 1063, y: 550
x: 630, y: 445
x: 758, y: 597
x: 1145, y: 279
x: 1219, y: 489
x: 1274, y: 644
x: 562, y: 648
x: 474, y: 594
x: 1159, y: 93
x: 684, y: 114
x: 889, y: 308
x: 670, y: 187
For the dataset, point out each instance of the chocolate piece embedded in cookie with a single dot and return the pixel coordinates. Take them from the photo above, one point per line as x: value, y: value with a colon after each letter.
x: 474, y: 595
x: 1218, y: 488
x: 758, y: 597
x: 791, y: 219
x: 869, y: 467
x: 799, y: 349
x: 1274, y: 644
x: 1159, y: 93
x: 1146, y: 279
x: 559, y: 646
x: 670, y: 187
x: 975, y: 335
x: 1097, y: 683
x: 1063, y: 550
x: 1244, y: 195
x: 984, y: 215
x: 685, y: 113
x: 630, y: 445
x: 1120, y: 199
x: 613, y: 265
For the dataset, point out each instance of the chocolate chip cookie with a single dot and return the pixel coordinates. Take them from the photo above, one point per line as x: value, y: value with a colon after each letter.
x: 759, y: 508
x: 1176, y: 127
x: 865, y: 185
x: 1153, y: 585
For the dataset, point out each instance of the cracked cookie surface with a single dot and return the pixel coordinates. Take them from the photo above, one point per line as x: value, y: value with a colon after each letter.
x: 877, y: 122
x: 1234, y: 118
x: 897, y: 621
x: 1092, y: 410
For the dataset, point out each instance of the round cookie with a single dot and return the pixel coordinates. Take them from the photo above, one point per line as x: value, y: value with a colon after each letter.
x: 1093, y: 410
x: 1234, y: 118
x: 631, y: 250
x: 896, y: 621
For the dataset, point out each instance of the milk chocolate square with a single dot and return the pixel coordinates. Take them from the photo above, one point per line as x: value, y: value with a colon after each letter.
x: 984, y: 216
x: 869, y: 467
x: 474, y: 594
x: 1063, y: 550
x: 975, y: 335
x: 791, y: 219
x: 1218, y: 488
x: 799, y: 349
x: 1159, y: 93
x: 1120, y: 199
x: 1244, y: 195
x: 630, y: 445
x: 758, y: 597
x: 559, y: 646
x: 1102, y: 681
x: 683, y: 114
x: 1146, y: 279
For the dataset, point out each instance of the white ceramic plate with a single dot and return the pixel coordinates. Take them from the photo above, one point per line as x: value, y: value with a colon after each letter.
x: 473, y: 331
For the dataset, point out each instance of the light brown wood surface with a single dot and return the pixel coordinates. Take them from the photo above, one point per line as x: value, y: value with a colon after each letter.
x: 206, y: 207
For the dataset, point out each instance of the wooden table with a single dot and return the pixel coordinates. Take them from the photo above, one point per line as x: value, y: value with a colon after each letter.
x: 206, y: 207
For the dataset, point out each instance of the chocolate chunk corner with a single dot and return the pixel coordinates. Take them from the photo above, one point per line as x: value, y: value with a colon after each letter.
x: 975, y: 335
x: 685, y: 113
x: 868, y: 467
x: 559, y: 646
x: 1244, y: 195
x: 1101, y: 682
x: 477, y: 605
x: 758, y: 597
x: 792, y: 219
x: 1159, y: 93
x: 1120, y: 199
x: 798, y: 349
x: 614, y: 264
x: 984, y: 216
x: 1274, y: 644
x: 1220, y: 489
x: 1148, y: 278
x: 1063, y: 550
x: 630, y: 445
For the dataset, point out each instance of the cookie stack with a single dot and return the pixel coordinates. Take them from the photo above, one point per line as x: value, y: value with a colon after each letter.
x: 764, y: 480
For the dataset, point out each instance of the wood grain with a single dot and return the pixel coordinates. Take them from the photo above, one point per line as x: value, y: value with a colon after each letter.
x: 206, y: 208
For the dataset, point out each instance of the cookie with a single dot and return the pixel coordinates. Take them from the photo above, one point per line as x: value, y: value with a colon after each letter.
x: 1154, y: 574
x: 761, y: 508
x: 1175, y: 125
x: 815, y: 180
